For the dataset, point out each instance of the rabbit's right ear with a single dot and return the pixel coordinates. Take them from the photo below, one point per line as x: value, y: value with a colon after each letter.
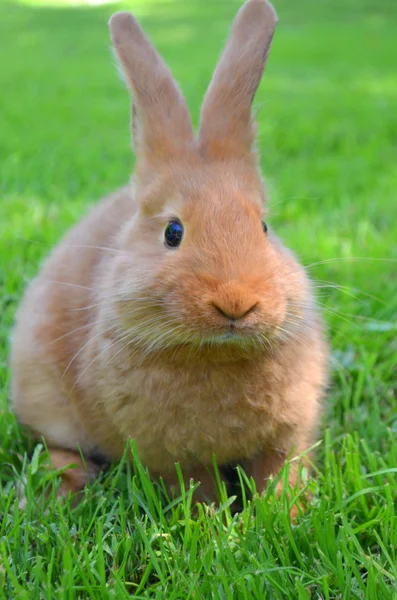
x: 160, y: 118
x: 226, y: 127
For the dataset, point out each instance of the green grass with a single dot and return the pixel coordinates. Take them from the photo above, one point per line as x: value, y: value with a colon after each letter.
x: 327, y: 136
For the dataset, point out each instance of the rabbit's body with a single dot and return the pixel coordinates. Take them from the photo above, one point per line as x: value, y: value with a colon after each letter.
x: 209, y: 348
x: 80, y: 387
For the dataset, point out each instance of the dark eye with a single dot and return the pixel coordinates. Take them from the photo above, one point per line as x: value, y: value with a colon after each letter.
x: 264, y: 226
x: 173, y: 234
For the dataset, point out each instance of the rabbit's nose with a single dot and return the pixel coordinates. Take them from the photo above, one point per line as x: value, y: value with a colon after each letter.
x: 235, y: 313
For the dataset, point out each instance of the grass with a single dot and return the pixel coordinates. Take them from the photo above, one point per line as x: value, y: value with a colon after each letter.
x: 327, y: 136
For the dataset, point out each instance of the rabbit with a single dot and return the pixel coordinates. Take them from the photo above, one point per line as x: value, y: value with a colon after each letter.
x: 172, y: 314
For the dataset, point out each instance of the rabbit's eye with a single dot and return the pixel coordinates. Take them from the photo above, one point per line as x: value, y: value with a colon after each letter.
x: 264, y: 226
x: 173, y: 234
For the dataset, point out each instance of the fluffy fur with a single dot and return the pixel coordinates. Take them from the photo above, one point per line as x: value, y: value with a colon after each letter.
x: 213, y: 347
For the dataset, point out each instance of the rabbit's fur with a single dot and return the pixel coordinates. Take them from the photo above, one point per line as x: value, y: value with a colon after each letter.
x: 211, y: 347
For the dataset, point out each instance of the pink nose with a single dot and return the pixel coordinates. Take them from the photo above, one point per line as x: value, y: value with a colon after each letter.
x: 235, y: 313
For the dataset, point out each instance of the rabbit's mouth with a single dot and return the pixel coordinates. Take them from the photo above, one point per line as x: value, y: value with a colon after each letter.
x: 229, y: 334
x: 234, y: 335
x: 231, y: 337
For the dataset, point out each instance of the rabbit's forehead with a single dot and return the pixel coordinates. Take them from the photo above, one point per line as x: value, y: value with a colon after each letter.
x: 218, y: 192
x: 191, y: 193
x: 219, y: 207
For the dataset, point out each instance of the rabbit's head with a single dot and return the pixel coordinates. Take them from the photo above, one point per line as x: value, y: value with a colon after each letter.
x: 197, y: 265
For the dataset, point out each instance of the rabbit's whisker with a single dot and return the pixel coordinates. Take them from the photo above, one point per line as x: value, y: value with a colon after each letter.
x: 92, y: 361
x: 89, y: 341
x: 68, y: 284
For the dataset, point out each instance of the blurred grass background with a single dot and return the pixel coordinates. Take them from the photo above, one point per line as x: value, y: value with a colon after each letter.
x: 328, y: 143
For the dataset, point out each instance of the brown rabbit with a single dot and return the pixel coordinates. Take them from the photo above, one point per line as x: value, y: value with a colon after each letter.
x: 171, y: 314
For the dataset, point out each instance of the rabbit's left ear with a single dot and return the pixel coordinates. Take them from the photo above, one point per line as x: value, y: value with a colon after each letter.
x: 160, y: 118
x: 226, y: 128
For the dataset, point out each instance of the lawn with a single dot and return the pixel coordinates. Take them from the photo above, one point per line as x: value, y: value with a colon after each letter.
x: 328, y: 143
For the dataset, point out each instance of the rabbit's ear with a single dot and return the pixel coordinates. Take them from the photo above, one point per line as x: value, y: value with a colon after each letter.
x: 161, y: 122
x: 226, y: 127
